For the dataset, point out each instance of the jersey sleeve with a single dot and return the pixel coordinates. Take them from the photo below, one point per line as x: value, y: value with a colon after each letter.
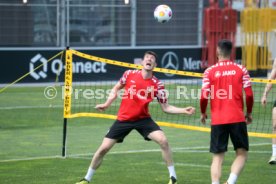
x: 162, y: 93
x: 245, y: 78
x: 206, y: 87
x: 123, y: 79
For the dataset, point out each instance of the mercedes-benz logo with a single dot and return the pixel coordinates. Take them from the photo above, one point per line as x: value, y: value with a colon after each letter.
x: 170, y: 61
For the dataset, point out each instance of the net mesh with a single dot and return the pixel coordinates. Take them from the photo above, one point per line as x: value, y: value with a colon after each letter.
x: 183, y: 90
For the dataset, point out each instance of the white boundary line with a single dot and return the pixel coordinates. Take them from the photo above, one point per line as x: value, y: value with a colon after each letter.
x: 182, y: 150
x: 30, y: 107
x: 187, y: 165
x: 30, y: 158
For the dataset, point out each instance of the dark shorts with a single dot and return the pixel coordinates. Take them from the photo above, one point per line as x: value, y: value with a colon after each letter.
x: 220, y: 136
x: 120, y: 129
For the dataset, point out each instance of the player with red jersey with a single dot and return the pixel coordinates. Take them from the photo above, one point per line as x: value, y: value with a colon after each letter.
x: 224, y: 83
x: 141, y: 87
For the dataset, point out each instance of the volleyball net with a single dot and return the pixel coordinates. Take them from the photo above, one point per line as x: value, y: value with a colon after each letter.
x: 80, y: 97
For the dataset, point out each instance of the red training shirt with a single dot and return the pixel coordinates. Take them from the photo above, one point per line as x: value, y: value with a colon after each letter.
x: 224, y: 83
x: 138, y: 94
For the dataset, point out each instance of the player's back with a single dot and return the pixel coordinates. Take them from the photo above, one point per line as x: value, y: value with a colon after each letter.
x: 226, y: 82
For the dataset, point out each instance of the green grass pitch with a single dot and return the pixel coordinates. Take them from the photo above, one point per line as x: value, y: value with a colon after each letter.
x: 31, y: 139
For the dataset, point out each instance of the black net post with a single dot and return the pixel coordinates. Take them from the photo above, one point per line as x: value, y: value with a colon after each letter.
x: 64, y: 137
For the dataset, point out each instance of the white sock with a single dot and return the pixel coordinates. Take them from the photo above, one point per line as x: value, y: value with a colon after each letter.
x: 172, y: 171
x: 273, y: 149
x: 89, y: 174
x: 232, y: 178
x: 215, y: 182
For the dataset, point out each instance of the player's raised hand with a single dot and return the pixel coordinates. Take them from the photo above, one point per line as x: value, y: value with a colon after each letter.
x: 263, y: 100
x: 190, y: 110
x: 101, y: 107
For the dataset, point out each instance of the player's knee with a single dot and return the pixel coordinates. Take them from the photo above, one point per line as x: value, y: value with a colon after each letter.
x: 242, y: 153
x: 163, y: 142
x: 274, y: 127
x: 217, y: 160
x: 103, y: 150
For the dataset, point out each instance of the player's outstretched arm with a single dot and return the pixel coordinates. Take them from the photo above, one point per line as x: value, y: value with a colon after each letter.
x: 269, y: 85
x: 177, y: 110
x: 112, y: 96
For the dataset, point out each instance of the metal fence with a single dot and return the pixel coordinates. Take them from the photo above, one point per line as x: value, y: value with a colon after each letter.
x: 98, y: 23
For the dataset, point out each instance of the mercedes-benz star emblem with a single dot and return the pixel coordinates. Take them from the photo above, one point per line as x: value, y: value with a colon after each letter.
x: 170, y: 61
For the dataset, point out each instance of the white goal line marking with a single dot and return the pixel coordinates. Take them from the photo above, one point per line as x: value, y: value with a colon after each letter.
x: 183, y: 149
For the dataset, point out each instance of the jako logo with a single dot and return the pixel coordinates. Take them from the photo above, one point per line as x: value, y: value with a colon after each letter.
x: 217, y: 74
x: 228, y: 73
x: 225, y: 73
x: 57, y: 66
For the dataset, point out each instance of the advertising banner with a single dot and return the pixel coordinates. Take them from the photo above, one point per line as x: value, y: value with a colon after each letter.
x: 15, y: 64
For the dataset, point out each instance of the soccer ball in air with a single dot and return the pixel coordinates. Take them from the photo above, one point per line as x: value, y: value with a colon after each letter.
x: 163, y: 13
